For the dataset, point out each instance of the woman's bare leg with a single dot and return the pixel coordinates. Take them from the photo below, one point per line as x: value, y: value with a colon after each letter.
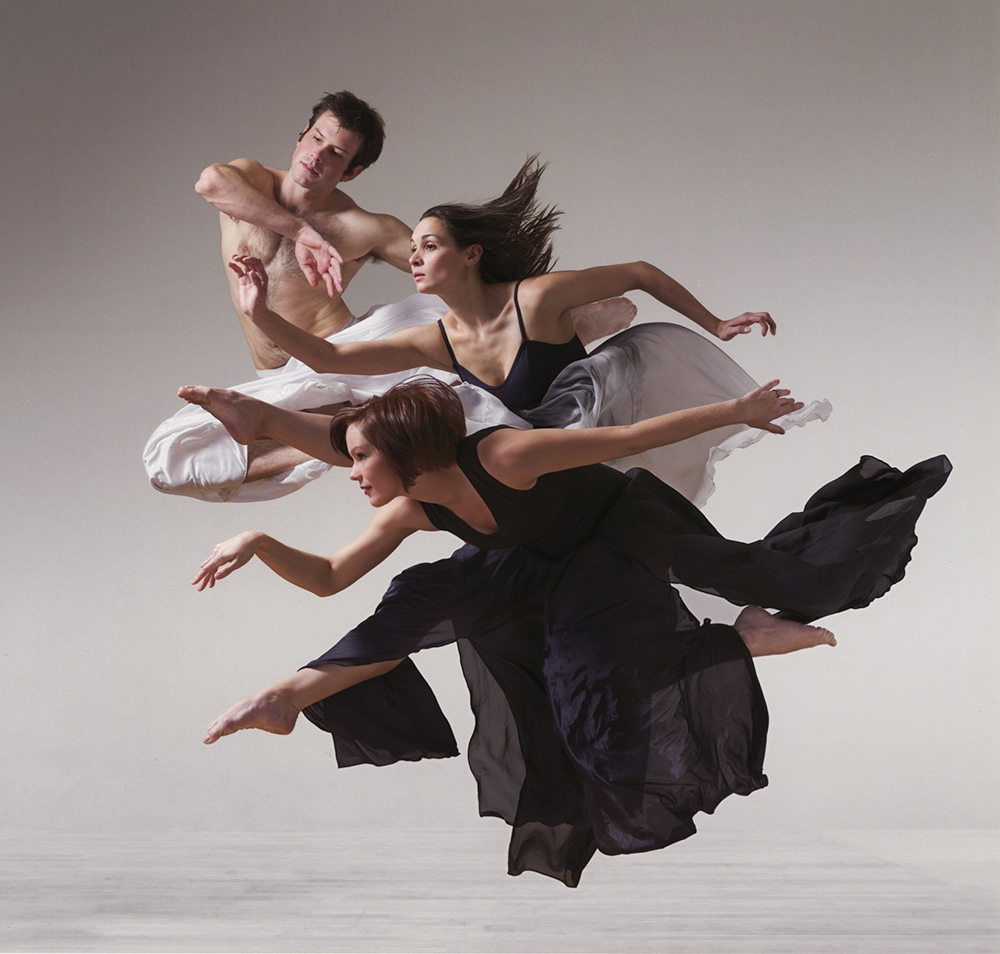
x: 247, y: 419
x: 276, y: 708
x: 767, y: 635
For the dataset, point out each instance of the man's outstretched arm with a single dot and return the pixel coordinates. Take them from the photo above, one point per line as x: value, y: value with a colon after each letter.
x: 385, y: 237
x: 244, y: 190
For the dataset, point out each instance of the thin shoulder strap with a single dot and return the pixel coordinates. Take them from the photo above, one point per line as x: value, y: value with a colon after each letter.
x: 517, y: 307
x: 447, y: 344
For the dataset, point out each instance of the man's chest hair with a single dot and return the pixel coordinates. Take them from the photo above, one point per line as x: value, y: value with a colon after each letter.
x: 277, y: 252
x: 244, y: 238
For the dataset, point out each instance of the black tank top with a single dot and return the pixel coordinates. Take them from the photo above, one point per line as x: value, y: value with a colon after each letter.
x: 559, y: 514
x: 535, y: 367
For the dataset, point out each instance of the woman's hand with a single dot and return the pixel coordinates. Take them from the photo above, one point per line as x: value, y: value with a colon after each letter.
x: 743, y: 324
x: 227, y: 557
x: 764, y: 404
x: 253, y: 284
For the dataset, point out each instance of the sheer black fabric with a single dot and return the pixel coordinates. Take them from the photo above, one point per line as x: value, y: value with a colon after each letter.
x: 606, y: 715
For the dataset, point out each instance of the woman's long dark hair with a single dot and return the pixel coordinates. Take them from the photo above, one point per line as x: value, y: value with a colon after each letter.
x: 515, y: 234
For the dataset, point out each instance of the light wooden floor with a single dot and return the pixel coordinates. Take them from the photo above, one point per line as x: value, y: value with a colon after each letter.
x: 843, y: 891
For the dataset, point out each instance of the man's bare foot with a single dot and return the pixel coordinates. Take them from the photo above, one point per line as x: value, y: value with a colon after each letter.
x: 242, y: 416
x: 602, y: 318
x: 767, y: 635
x: 266, y: 710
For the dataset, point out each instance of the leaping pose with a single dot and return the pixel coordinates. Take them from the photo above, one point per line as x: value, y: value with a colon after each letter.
x: 507, y: 332
x: 607, y: 716
x: 312, y: 239
x: 508, y: 328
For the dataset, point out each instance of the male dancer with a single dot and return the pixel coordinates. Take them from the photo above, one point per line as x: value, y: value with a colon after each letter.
x: 312, y: 237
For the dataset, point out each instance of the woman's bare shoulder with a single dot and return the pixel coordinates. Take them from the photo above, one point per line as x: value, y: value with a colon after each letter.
x: 542, y: 307
x: 402, y: 514
x: 505, y: 455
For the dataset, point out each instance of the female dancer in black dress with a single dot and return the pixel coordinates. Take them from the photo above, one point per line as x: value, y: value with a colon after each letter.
x: 606, y: 714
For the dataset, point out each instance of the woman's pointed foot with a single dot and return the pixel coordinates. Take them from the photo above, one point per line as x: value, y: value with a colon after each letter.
x: 768, y: 635
x: 265, y: 710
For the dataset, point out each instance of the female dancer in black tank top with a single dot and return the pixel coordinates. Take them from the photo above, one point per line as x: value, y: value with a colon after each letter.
x: 536, y: 365
x: 607, y: 715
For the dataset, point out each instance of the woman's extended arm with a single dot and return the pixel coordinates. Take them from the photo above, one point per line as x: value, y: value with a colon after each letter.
x: 559, y: 291
x: 411, y: 348
x: 323, y: 576
x: 519, y: 458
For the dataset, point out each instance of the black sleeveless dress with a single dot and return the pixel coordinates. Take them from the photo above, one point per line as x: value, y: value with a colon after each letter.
x: 606, y: 714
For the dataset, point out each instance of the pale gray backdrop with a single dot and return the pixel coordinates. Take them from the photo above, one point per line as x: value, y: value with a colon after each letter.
x: 832, y: 162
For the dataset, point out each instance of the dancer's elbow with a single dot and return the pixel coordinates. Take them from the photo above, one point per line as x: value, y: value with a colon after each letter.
x: 644, y: 275
x: 326, y: 588
x: 210, y: 182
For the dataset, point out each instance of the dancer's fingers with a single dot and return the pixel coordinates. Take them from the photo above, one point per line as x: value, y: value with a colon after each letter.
x: 338, y: 278
x: 328, y: 282
x: 312, y: 276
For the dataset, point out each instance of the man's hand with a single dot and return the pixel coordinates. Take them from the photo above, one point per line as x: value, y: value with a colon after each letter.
x: 318, y: 259
x: 742, y: 325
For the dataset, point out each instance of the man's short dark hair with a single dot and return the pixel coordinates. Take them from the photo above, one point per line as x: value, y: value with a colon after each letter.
x: 356, y: 116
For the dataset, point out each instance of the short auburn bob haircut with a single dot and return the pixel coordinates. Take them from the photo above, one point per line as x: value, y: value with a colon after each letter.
x: 415, y: 426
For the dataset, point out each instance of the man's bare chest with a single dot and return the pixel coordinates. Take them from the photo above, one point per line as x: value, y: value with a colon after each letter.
x: 278, y: 252
x: 241, y: 238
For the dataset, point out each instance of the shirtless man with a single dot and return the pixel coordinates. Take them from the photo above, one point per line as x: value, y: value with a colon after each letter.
x: 313, y: 239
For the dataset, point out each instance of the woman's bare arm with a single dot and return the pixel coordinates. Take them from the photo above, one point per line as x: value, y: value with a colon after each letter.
x: 410, y: 348
x: 323, y: 576
x: 519, y: 458
x: 556, y: 292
